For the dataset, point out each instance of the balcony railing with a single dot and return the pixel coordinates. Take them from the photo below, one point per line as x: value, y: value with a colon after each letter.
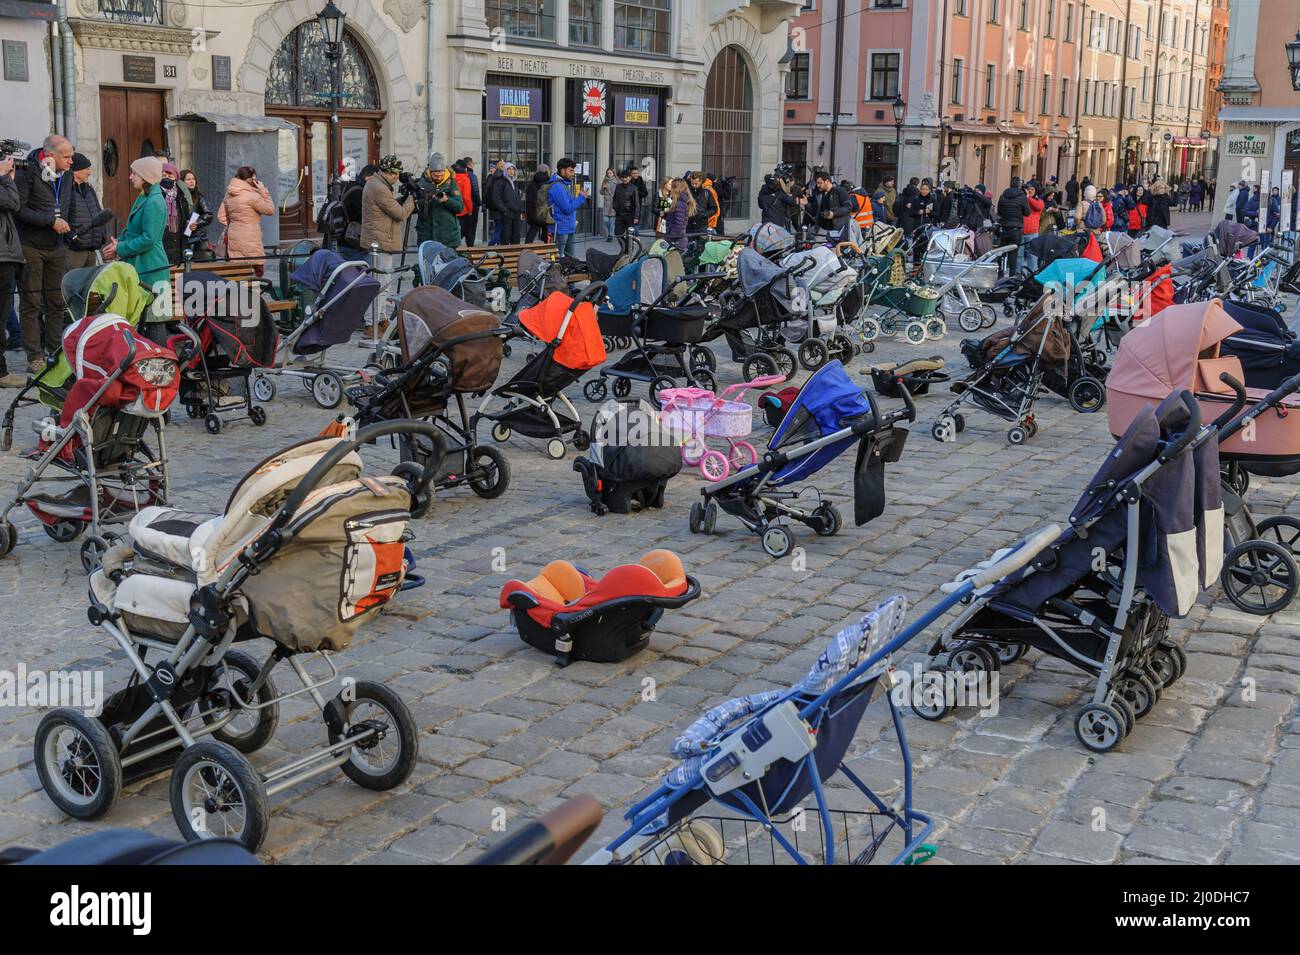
x: 148, y: 12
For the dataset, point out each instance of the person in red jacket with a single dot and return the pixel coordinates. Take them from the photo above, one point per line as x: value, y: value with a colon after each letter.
x: 1031, y: 226
x: 468, y: 220
x: 1137, y: 216
x: 1104, y: 198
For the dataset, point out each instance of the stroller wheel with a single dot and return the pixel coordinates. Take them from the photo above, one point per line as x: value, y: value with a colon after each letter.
x: 78, y: 763
x: 696, y: 522
x: 493, y: 471
x: 758, y: 365
x: 216, y: 794
x: 710, y: 518
x: 742, y: 455
x: 500, y: 432
x: 213, y: 424
x: 869, y: 329
x: 930, y: 699
x: 842, y: 348
x: 703, y: 378
x: 1168, y: 662
x: 93, y: 549
x: 327, y: 389
x: 248, y: 730
x: 935, y: 328
x: 263, y: 388
x: 581, y: 440
x: 595, y: 390
x: 915, y: 333
x: 1140, y: 692
x: 1282, y: 530
x: 192, y: 411
x: 622, y: 387
x: 659, y: 384
x: 1099, y: 727
x: 1017, y: 435
x: 973, y: 658
x: 693, y: 449
x: 1009, y: 652
x: 787, y: 362
x: 889, y: 326
x: 945, y: 429
x: 776, y: 541
x: 555, y: 448
x: 1087, y: 395
x: 826, y: 520
x: 257, y: 415
x: 702, y: 357
x: 8, y: 537
x: 64, y: 531
x: 1260, y: 577
x: 971, y: 319
x: 813, y: 353
x: 384, y: 758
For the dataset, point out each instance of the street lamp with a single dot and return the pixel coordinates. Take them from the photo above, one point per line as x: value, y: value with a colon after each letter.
x: 899, y: 108
x: 331, y: 31
x: 1293, y: 60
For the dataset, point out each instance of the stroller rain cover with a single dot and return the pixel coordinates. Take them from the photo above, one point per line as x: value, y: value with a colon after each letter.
x: 580, y: 347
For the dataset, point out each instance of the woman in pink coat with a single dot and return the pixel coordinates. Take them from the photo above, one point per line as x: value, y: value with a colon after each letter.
x: 246, y: 201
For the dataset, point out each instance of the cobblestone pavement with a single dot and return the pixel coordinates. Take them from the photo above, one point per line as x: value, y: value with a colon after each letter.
x: 1211, y: 775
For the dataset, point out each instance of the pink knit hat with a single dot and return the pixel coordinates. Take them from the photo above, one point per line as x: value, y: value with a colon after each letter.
x: 148, y: 168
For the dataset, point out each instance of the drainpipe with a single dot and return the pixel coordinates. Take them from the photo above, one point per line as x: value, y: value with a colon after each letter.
x: 943, y: 68
x: 56, y: 76
x: 839, y: 79
x: 428, y: 78
x: 69, y: 71
x: 1078, y: 87
x: 1123, y: 94
x: 1187, y: 126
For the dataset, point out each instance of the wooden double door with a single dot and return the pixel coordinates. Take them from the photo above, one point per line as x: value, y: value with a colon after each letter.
x: 309, y: 158
x: 134, y: 125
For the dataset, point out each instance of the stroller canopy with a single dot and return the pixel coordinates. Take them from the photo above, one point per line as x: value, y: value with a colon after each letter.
x: 1231, y: 236
x: 114, y: 285
x: 1081, y: 275
x: 431, y: 317
x: 1269, y: 352
x: 823, y: 406
x: 716, y: 251
x: 827, y: 274
x: 578, y: 332
x: 756, y: 272
x: 347, y: 292
x: 442, y: 266
x: 770, y: 239
x: 316, y: 269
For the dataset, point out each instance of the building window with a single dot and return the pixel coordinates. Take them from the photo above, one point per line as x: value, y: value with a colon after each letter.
x: 1046, y: 106
x: 1113, y: 42
x: 1020, y: 91
x: 891, y: 4
x: 1069, y: 23
x: 1087, y: 92
x: 961, y: 8
x: 299, y: 74
x: 527, y: 19
x: 1065, y: 96
x: 797, y: 81
x: 1145, y: 77
x: 993, y: 11
x: 1051, y: 18
x: 1024, y: 14
x: 988, y: 85
x: 643, y: 25
x: 132, y: 11
x: 957, y: 69
x: 884, y: 75
x: 584, y: 22
x: 729, y: 126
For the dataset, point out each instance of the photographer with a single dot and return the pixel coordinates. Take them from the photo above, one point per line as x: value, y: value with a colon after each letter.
x: 11, y: 262
x: 565, y: 198
x: 84, y: 242
x: 45, y: 195
x: 383, y: 217
x: 778, y: 202
x: 437, y: 204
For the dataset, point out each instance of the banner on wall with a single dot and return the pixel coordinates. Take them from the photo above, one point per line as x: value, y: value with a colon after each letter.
x: 593, y: 103
x: 636, y: 109
x: 509, y: 104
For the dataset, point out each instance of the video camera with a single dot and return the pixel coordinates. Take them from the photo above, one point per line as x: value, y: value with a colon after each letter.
x: 422, y: 189
x: 18, y: 150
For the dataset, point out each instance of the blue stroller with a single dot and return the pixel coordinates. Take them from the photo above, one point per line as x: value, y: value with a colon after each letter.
x: 829, y: 414
x: 759, y: 757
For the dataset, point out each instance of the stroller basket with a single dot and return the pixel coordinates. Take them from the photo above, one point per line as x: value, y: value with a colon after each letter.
x: 910, y: 300
x: 677, y: 326
x: 859, y: 836
x: 698, y: 411
x: 981, y: 275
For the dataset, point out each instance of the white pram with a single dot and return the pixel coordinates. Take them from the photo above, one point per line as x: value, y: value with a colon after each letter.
x: 822, y: 281
x: 958, y: 275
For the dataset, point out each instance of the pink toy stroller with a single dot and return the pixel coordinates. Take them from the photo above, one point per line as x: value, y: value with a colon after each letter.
x: 699, y: 414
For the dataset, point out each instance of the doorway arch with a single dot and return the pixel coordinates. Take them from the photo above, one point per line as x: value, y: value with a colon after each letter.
x: 729, y: 127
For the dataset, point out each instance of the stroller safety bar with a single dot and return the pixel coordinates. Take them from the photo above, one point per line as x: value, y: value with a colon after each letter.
x: 1018, y: 558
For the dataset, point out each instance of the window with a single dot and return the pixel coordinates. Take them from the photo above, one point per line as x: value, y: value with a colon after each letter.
x: 988, y: 86
x: 1046, y: 106
x: 1145, y: 77
x: 1187, y: 35
x: 884, y: 75
x: 642, y: 25
x: 1020, y: 91
x: 1087, y: 92
x: 961, y: 8
x: 993, y: 11
x: 1114, y: 99
x: 798, y: 79
x: 729, y: 126
x: 895, y: 4
x: 527, y: 19
x: 1024, y: 14
x: 957, y: 69
x: 1065, y: 96
x: 1051, y: 17
x: 1113, y: 45
x: 299, y: 74
x: 1069, y: 23
x: 584, y: 22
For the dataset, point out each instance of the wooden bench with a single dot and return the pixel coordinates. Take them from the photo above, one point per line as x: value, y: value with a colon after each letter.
x: 509, y: 256
x: 232, y: 271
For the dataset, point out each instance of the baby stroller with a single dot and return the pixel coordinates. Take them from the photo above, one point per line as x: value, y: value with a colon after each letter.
x: 533, y: 401
x: 567, y: 612
x: 1154, y: 512
x: 1008, y: 368
x: 94, y: 467
x: 748, y: 766
x: 829, y: 414
x: 190, y: 586
x: 448, y: 269
x: 633, y: 455
x: 645, y: 305
x: 822, y: 283
x: 753, y: 316
x: 535, y: 278
x: 960, y: 277
x: 447, y: 349
x: 905, y: 305
x: 770, y: 240
x: 1268, y: 350
x: 601, y: 265
x: 340, y: 294
x: 236, y: 336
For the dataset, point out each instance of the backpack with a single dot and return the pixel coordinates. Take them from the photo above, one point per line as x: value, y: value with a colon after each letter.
x: 1095, y: 216
x: 332, y: 222
x: 544, y: 214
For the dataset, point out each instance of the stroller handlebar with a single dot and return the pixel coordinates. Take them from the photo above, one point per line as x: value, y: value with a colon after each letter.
x: 1238, y: 402
x: 1189, y: 434
x: 592, y: 292
x: 1021, y: 557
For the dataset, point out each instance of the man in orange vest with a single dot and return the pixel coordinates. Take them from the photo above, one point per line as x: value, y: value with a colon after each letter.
x: 716, y: 218
x: 865, y: 217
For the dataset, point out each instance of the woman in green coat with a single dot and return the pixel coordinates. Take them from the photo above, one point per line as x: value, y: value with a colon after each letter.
x: 141, y: 243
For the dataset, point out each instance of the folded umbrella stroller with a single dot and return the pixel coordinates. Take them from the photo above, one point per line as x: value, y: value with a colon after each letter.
x: 342, y: 293
x: 1268, y: 350
x: 829, y: 415
x: 533, y: 401
x: 631, y: 459
x: 448, y: 349
x: 1145, y: 537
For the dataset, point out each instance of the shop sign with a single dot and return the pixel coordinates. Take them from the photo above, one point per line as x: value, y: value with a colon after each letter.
x: 636, y: 109
x: 139, y: 69
x: 514, y: 104
x: 1247, y: 145
x: 593, y: 103
x: 1293, y: 144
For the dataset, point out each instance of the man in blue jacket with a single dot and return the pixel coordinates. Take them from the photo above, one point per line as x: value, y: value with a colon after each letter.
x: 564, y: 204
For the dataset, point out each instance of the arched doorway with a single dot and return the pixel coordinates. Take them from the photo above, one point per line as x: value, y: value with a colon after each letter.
x: 298, y: 90
x: 729, y: 127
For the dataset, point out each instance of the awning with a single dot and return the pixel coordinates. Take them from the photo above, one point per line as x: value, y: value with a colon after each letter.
x: 1260, y: 114
x: 235, y: 123
x: 1189, y: 142
x: 984, y: 129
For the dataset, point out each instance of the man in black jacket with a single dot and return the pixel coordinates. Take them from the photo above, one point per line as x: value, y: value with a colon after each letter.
x: 11, y: 263
x: 45, y: 192
x: 706, y: 207
x: 83, y: 249
x: 626, y: 204
x: 509, y: 198
x: 777, y: 200
x: 1013, y: 206
x: 352, y: 206
x: 831, y: 205
x: 973, y: 208
x: 1072, y: 193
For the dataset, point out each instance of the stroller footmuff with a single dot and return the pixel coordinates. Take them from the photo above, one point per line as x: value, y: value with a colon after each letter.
x: 916, y: 375
x: 191, y: 586
x: 567, y: 612
x: 632, y: 457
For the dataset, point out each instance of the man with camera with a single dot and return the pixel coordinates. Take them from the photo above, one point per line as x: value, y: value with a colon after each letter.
x: 383, y: 216
x: 45, y: 195
x: 11, y: 262
x: 438, y: 202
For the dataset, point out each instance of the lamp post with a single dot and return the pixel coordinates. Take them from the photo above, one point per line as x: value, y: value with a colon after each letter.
x: 899, y: 108
x: 1293, y: 60
x: 331, y: 31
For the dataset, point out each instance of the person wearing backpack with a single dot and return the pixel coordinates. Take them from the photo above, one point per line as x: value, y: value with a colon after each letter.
x: 537, y: 209
x: 1089, y: 216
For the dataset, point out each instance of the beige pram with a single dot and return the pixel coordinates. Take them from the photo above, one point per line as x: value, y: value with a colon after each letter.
x: 308, y: 549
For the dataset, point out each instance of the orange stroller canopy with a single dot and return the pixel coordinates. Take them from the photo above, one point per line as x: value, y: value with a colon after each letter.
x: 580, y: 345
